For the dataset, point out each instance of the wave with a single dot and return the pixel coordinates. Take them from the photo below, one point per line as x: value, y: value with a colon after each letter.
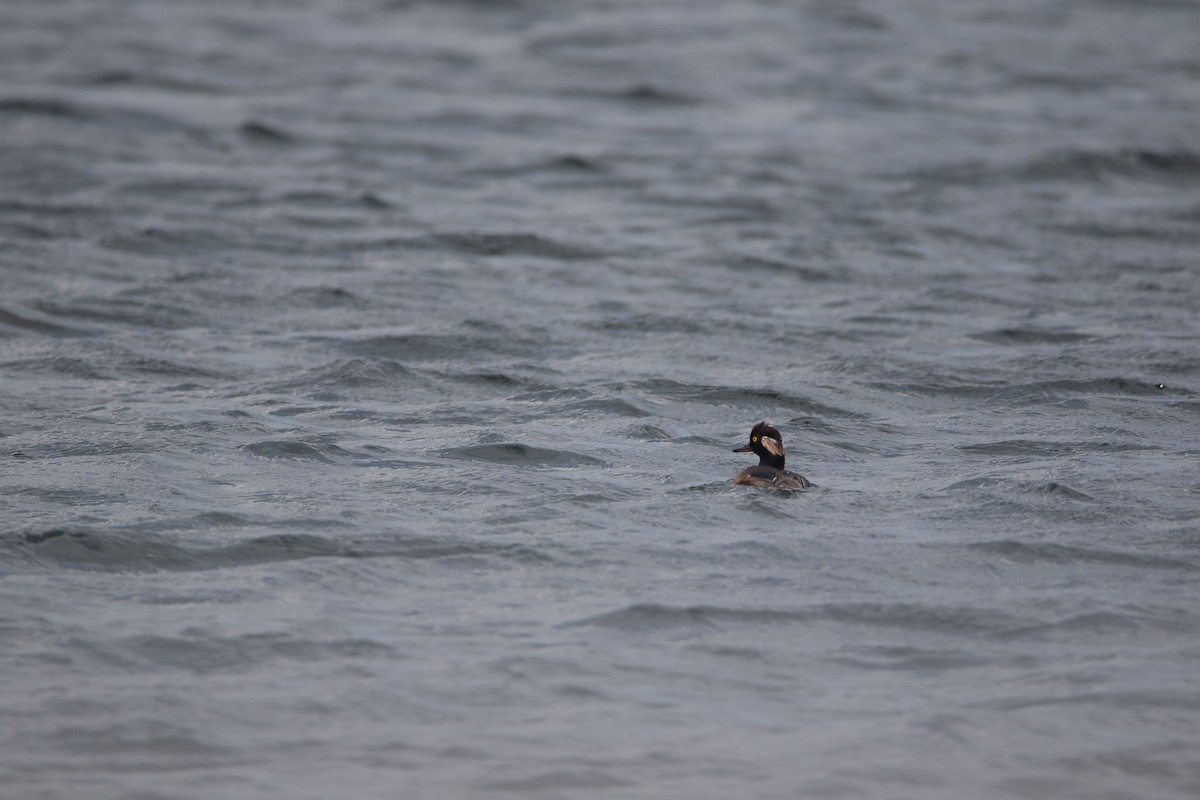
x: 329, y: 379
x: 1047, y: 448
x: 957, y: 621
x: 505, y: 244
x: 1049, y: 553
x: 262, y: 132
x: 422, y: 346
x: 12, y: 323
x: 124, y: 311
x: 1028, y: 336
x: 293, y: 450
x: 909, y: 658
x: 651, y: 616
x: 568, y: 164
x: 1074, y: 165
x: 736, y: 395
x: 1035, y: 392
x: 517, y: 454
x: 135, y: 550
x: 207, y: 653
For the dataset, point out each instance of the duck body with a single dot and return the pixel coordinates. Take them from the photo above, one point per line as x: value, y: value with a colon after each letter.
x: 771, y: 478
x: 767, y: 444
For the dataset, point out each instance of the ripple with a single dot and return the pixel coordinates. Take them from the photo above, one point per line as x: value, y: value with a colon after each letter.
x: 170, y: 746
x: 204, y: 653
x: 257, y: 131
x: 1057, y: 489
x: 570, y: 163
x: 337, y: 376
x: 650, y: 616
x: 1120, y: 701
x: 1037, y: 392
x: 1027, y: 336
x: 421, y: 347
x: 573, y: 162
x: 1076, y: 166
x: 649, y: 94
x: 160, y: 366
x: 675, y: 390
x: 95, y: 446
x: 291, y: 450
x: 517, y: 454
x: 530, y: 245
x: 22, y: 324
x: 647, y: 432
x: 45, y: 106
x: 126, y: 551
x: 972, y: 483
x: 327, y: 297
x: 1046, y: 449
x: 1048, y: 553
x: 606, y: 404
x: 167, y: 241
x: 776, y: 267
x: 1122, y: 621
x: 906, y: 658
x: 1153, y: 165
x: 133, y: 550
x: 123, y: 311
x: 910, y: 616
x: 557, y: 781
x: 497, y: 380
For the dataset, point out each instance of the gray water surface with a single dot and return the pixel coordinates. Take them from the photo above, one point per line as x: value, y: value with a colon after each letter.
x: 369, y: 373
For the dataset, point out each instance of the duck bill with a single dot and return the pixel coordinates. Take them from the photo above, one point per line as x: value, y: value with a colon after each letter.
x: 746, y: 449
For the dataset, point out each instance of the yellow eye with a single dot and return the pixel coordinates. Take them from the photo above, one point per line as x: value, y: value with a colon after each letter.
x: 754, y: 438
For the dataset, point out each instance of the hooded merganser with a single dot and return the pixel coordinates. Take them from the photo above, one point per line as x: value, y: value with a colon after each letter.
x: 767, y: 444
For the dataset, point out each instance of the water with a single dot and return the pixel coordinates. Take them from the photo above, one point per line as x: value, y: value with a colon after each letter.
x: 370, y: 372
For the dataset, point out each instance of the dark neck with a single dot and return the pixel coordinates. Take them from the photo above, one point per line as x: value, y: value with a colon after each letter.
x: 766, y: 459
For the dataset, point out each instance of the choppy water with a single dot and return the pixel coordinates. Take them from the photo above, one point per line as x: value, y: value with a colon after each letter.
x: 370, y: 372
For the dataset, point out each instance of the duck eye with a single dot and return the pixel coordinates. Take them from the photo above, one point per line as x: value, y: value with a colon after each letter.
x: 754, y: 438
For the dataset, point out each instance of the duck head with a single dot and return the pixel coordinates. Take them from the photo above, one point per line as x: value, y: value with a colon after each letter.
x: 767, y: 444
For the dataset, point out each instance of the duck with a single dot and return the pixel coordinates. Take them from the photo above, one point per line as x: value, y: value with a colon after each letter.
x: 767, y: 444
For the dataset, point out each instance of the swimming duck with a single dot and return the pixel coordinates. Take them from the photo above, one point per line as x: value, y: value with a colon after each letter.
x: 766, y: 442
